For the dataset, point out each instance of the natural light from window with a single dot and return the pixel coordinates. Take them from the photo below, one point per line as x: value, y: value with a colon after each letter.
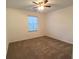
x: 32, y: 23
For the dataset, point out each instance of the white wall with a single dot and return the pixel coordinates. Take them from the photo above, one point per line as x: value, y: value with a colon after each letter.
x: 60, y: 24
x: 17, y: 27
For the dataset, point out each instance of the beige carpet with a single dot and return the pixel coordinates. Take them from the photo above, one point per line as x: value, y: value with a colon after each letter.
x: 40, y: 48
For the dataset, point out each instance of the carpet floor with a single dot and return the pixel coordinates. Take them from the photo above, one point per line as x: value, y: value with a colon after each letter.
x: 39, y: 48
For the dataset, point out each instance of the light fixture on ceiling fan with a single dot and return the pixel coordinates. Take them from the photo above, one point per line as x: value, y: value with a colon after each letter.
x: 41, y: 5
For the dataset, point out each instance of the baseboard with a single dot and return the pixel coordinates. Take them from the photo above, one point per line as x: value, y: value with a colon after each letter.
x: 42, y: 36
x: 26, y: 39
x: 60, y: 39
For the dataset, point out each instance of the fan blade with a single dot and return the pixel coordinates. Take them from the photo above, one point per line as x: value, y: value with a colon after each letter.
x: 35, y: 7
x: 45, y: 1
x: 35, y: 3
x: 40, y: 2
x: 47, y: 6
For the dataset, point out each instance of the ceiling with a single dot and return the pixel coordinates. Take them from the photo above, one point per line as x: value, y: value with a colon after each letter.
x: 28, y: 5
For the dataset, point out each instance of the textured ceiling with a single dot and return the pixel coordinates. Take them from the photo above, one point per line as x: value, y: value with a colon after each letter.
x: 28, y: 5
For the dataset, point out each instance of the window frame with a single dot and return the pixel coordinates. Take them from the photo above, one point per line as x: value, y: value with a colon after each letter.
x: 37, y: 23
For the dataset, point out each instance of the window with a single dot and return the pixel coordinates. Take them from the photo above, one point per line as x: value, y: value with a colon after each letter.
x: 32, y: 23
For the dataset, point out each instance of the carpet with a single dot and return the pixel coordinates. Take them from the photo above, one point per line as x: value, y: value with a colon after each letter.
x: 40, y: 48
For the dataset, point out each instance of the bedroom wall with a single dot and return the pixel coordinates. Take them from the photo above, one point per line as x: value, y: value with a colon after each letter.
x: 17, y: 27
x: 59, y: 24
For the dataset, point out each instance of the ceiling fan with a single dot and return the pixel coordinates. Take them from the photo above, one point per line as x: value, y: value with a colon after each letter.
x: 41, y: 4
